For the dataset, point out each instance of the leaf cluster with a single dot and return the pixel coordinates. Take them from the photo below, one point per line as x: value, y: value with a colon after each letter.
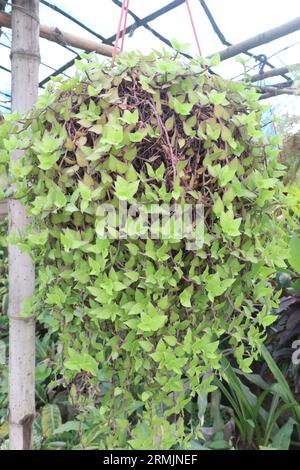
x: 140, y: 321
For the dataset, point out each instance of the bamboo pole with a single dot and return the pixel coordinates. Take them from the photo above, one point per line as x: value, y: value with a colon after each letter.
x: 3, y: 209
x: 262, y: 38
x: 64, y: 38
x: 274, y: 72
x: 277, y: 92
x: 25, y: 60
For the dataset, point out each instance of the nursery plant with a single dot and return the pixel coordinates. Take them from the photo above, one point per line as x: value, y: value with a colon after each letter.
x: 139, y: 320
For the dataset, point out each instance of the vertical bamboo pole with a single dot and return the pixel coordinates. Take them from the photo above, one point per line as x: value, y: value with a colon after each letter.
x: 25, y: 67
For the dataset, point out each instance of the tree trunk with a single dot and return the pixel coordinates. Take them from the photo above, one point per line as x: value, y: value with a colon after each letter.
x: 25, y: 67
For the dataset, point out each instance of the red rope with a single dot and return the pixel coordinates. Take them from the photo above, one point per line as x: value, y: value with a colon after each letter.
x: 118, y: 32
x: 124, y: 27
x: 124, y: 9
x: 193, y: 26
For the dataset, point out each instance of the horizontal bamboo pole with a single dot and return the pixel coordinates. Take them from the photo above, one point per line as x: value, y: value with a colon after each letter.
x: 274, y: 72
x: 64, y: 38
x: 262, y: 38
x: 277, y: 92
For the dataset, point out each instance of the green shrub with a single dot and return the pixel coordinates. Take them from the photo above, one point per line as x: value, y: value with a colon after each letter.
x: 140, y: 321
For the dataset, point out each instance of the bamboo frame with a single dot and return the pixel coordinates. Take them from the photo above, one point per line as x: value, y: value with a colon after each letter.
x: 64, y: 38
x: 3, y: 209
x: 274, y: 72
x: 259, y: 39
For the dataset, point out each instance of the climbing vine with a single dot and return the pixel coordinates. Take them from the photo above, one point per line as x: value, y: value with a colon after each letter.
x: 142, y: 323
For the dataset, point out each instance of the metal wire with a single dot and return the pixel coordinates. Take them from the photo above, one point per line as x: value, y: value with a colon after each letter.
x: 72, y: 18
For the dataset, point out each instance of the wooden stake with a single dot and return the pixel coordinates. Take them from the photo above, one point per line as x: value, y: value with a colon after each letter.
x: 25, y: 61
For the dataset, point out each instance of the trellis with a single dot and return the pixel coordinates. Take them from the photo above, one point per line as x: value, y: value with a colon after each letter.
x: 68, y: 40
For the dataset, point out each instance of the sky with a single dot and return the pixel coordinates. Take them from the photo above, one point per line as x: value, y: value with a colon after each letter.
x: 237, y: 19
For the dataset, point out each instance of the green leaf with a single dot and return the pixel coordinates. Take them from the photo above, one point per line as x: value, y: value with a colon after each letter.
x: 229, y: 224
x: 50, y: 419
x: 218, y: 98
x: 215, y: 60
x: 69, y: 426
x: 213, y: 130
x: 218, y: 207
x: 227, y: 172
x: 4, y: 430
x: 60, y: 199
x: 227, y: 136
x: 167, y: 67
x: 92, y: 91
x: 149, y: 323
x: 137, y: 136
x: 112, y: 134
x: 56, y: 297
x: 130, y: 118
x: 71, y: 240
x: 39, y: 238
x: 185, y: 296
x: 294, y: 253
x: 169, y: 124
x: 48, y: 144
x: 269, y: 319
x: 42, y: 372
x: 125, y: 190
x: 102, y: 313
x: 130, y: 154
x: 182, y: 108
x: 282, y: 438
x: 215, y: 286
x: 47, y: 161
x: 160, y: 172
x: 145, y: 396
x: 85, y: 191
x: 146, y: 345
x: 170, y: 340
x: 229, y: 196
x: 180, y: 47
x: 81, y: 361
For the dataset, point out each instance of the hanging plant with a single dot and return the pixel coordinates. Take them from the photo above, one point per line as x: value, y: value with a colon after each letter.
x: 142, y: 322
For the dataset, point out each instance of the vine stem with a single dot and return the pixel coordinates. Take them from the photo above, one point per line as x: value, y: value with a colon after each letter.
x: 164, y: 131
